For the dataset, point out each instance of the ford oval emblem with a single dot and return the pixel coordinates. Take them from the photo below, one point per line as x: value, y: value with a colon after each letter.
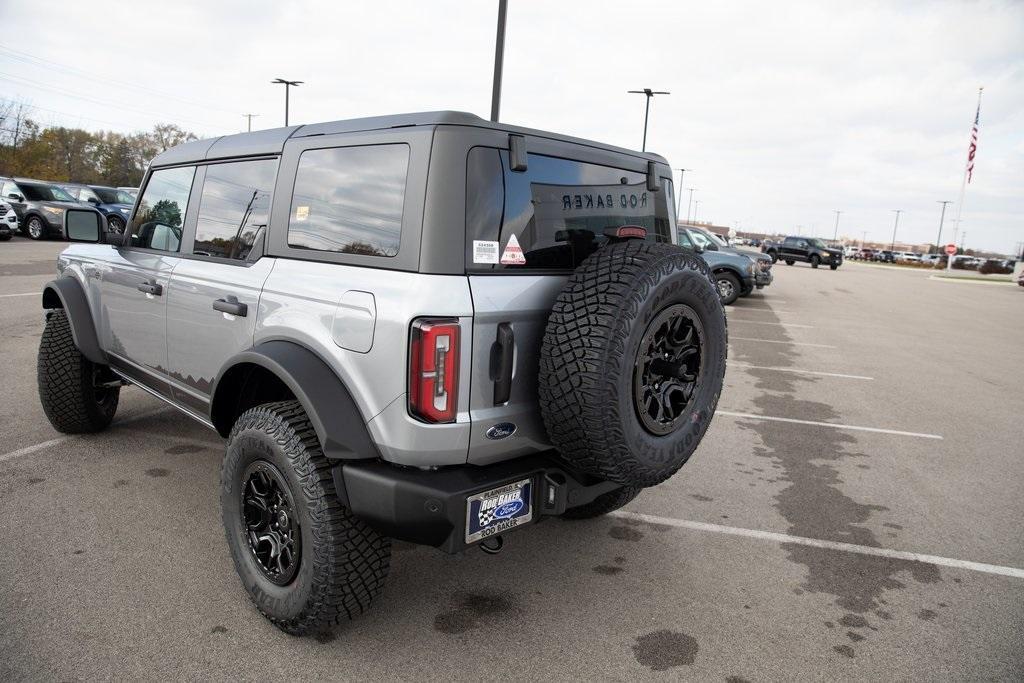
x: 502, y: 430
x: 508, y: 509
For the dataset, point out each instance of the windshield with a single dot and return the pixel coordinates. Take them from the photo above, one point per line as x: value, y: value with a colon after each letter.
x: 817, y: 243
x: 715, y: 238
x: 45, y: 193
x: 111, y: 196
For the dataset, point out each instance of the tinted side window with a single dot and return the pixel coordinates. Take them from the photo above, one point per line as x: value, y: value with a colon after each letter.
x: 556, y: 211
x: 233, y: 207
x: 350, y: 199
x: 158, y: 220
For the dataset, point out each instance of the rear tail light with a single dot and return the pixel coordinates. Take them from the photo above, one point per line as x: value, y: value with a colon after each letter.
x: 434, y: 369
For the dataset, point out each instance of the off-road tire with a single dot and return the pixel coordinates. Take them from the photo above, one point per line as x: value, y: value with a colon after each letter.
x: 590, y: 348
x: 789, y: 263
x: 603, y: 504
x: 67, y: 380
x: 734, y: 293
x: 773, y: 256
x: 343, y: 563
x: 815, y: 260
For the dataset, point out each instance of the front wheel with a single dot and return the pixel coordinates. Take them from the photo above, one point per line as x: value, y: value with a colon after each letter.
x: 773, y: 256
x: 306, y: 561
x: 116, y: 224
x: 728, y: 287
x: 815, y: 260
x: 834, y: 266
x: 78, y: 396
x: 34, y: 228
x: 788, y: 262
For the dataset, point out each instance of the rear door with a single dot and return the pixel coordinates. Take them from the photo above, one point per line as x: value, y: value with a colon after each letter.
x: 525, y: 233
x: 214, y: 293
x: 134, y: 282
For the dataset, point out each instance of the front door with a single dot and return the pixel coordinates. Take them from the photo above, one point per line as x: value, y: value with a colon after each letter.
x: 135, y: 282
x: 214, y: 296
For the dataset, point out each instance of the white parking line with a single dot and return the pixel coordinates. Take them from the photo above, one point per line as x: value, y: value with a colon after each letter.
x: 4, y: 296
x: 801, y: 372
x: 28, y: 450
x: 762, y: 322
x: 776, y: 341
x: 771, y: 418
x: 829, y: 545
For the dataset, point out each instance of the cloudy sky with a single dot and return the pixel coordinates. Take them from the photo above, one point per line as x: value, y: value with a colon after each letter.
x: 786, y: 110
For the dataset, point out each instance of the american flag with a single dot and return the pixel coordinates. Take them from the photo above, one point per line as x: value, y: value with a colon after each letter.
x: 974, y: 142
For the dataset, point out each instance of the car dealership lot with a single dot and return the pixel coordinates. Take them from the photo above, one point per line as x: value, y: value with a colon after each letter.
x: 776, y: 553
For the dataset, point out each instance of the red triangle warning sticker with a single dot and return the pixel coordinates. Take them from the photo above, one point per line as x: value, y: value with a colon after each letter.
x: 513, y: 254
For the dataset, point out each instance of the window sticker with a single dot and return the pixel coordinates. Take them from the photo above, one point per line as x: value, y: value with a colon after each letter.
x: 301, y: 213
x: 513, y: 254
x: 485, y: 251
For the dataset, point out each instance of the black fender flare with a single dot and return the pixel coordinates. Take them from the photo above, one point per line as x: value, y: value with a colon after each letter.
x: 332, y: 411
x: 67, y: 293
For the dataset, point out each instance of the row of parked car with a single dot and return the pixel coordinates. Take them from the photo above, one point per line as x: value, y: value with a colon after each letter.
x: 36, y: 207
x: 737, y: 273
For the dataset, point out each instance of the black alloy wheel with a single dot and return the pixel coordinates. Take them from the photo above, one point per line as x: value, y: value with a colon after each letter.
x: 272, y: 522
x: 667, y: 369
x: 115, y: 224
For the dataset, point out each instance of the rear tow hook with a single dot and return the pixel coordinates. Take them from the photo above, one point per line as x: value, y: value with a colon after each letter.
x: 492, y: 545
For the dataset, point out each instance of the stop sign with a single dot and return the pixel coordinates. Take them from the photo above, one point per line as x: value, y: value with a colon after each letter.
x: 951, y: 249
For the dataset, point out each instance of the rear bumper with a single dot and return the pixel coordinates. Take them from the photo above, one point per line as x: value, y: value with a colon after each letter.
x: 428, y: 507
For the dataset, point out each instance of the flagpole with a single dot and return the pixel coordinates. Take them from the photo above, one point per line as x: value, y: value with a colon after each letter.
x: 963, y: 183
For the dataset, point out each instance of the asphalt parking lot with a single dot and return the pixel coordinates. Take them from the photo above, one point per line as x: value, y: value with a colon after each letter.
x: 854, y: 512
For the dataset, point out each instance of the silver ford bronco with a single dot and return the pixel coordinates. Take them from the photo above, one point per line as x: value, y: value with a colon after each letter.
x: 424, y: 327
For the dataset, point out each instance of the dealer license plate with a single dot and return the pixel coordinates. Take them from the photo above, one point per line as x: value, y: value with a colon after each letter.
x: 498, y: 510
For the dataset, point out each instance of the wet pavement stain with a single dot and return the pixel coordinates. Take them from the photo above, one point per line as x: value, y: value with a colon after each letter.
x: 703, y: 499
x: 219, y: 629
x: 36, y: 480
x: 812, y: 500
x: 663, y: 650
x: 119, y: 483
x: 736, y: 679
x: 927, y: 615
x: 474, y: 610
x: 184, y: 448
x: 607, y: 570
x: 624, y: 533
x: 157, y: 472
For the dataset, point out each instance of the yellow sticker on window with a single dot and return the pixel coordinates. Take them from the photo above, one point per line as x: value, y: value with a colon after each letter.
x: 301, y: 213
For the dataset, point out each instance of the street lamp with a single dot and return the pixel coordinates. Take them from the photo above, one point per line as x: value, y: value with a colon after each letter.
x: 250, y: 117
x: 892, y: 245
x: 696, y: 209
x: 835, y: 236
x: 689, y: 203
x: 679, y: 199
x: 942, y: 216
x: 647, y: 109
x: 287, y: 86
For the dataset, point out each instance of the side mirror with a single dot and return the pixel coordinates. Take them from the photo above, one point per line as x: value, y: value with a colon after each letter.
x: 84, y: 225
x: 16, y: 197
x: 93, y: 200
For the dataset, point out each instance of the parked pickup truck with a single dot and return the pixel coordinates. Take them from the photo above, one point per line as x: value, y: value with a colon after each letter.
x: 808, y: 249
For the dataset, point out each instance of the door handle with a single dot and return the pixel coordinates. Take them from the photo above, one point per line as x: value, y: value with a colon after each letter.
x: 151, y: 288
x: 231, y: 305
x: 502, y: 355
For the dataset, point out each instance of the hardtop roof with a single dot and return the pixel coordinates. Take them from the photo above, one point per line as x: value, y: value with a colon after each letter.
x: 272, y: 141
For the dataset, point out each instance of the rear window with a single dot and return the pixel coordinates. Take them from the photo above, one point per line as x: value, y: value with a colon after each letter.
x: 555, y: 212
x: 350, y: 200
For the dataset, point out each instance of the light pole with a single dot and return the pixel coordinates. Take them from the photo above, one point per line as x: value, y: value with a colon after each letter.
x: 249, y: 117
x: 287, y: 86
x: 499, y: 60
x: 647, y: 109
x: 835, y: 235
x: 892, y: 245
x: 679, y: 199
x: 689, y: 203
x: 696, y: 210
x: 863, y: 239
x: 942, y: 216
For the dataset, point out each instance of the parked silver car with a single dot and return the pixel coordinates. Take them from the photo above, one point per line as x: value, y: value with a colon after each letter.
x: 425, y: 327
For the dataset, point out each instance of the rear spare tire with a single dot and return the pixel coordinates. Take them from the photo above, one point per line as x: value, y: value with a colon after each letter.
x: 632, y: 362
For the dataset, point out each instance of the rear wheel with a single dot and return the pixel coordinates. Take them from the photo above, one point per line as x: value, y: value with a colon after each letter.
x: 815, y: 260
x: 788, y: 262
x: 632, y: 362
x: 603, y: 504
x: 728, y: 287
x: 306, y: 561
x: 78, y: 396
